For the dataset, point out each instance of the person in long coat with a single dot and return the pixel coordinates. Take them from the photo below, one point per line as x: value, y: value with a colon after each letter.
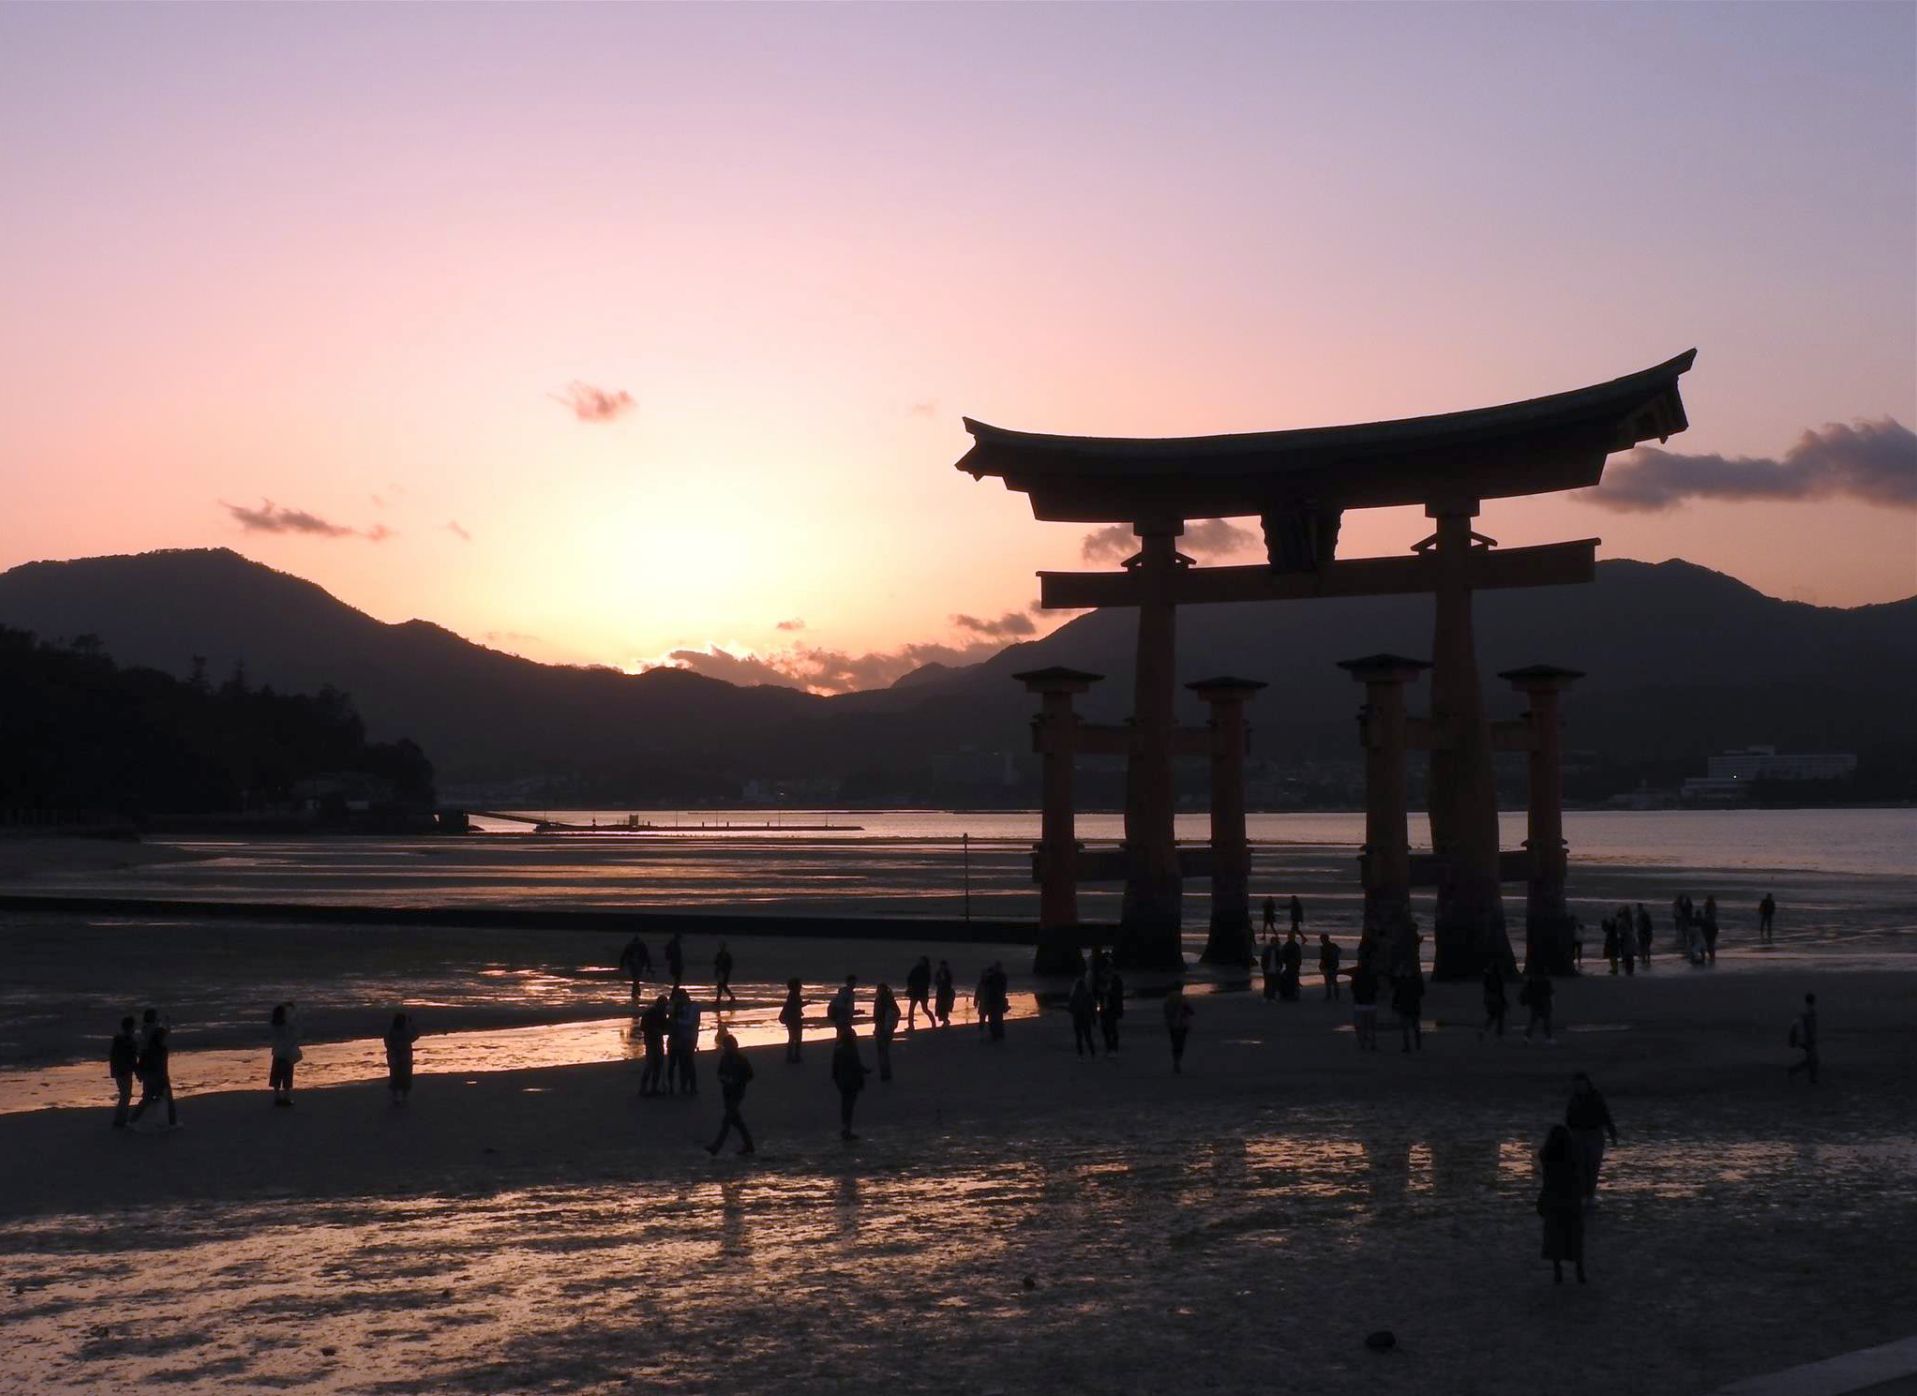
x: 1561, y: 1202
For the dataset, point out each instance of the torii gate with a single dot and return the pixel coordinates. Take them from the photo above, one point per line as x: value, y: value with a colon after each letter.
x: 1299, y: 483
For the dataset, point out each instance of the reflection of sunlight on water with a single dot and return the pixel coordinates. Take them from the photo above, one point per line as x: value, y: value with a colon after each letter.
x: 755, y: 1023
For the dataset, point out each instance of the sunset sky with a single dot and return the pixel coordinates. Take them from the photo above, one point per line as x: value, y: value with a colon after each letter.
x: 599, y: 333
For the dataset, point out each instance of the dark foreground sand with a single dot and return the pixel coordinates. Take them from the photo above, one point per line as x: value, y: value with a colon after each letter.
x: 1014, y: 1219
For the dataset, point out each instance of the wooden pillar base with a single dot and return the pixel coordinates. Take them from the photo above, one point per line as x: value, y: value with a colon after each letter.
x: 1232, y: 940
x: 1150, y: 926
x: 1059, y: 951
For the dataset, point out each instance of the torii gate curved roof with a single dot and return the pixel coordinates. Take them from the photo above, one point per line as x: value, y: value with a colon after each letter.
x: 1519, y: 448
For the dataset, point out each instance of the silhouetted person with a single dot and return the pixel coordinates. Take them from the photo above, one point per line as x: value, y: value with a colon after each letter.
x: 1627, y: 942
x: 735, y: 1074
x: 848, y: 1074
x: 635, y: 961
x: 400, y: 1037
x: 1271, y: 916
x: 1536, y: 995
x: 1364, y: 1004
x: 286, y: 1052
x: 684, y: 1046
x: 1178, y: 1016
x: 654, y: 1024
x: 792, y: 1014
x: 1804, y: 1039
x: 722, y: 976
x: 1766, y: 920
x: 1271, y: 964
x: 1710, y: 929
x: 123, y: 1062
x: 1643, y: 922
x: 981, y: 997
x: 885, y: 1022
x: 1577, y: 943
x: 997, y: 1001
x: 1297, y: 915
x: 1407, y: 1001
x: 1611, y: 942
x: 1329, y: 955
x: 1083, y: 1006
x: 843, y: 1011
x: 156, y: 1075
x: 676, y: 959
x: 1589, y: 1120
x: 946, y: 989
x: 1561, y: 1202
x: 1495, y: 1003
x: 1111, y: 1007
x: 918, y: 992
x: 1292, y: 953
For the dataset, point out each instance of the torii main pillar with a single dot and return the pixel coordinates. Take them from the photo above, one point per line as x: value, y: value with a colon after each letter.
x: 1150, y: 914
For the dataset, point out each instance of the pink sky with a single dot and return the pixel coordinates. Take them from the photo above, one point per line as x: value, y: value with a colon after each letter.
x: 349, y: 260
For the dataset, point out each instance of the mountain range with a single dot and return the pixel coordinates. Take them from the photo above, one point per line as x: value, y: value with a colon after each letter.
x: 1681, y: 662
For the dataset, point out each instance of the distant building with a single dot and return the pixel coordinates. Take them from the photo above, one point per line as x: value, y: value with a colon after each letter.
x: 1733, y: 775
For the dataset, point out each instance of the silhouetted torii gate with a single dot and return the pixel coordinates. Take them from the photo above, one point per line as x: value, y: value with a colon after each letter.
x: 1299, y: 483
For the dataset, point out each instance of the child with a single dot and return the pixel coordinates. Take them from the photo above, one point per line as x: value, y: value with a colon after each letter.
x: 793, y: 1016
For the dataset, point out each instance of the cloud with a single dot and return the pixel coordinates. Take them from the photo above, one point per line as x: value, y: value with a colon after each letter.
x: 271, y: 518
x: 794, y: 624
x: 1201, y: 538
x: 593, y: 404
x: 378, y: 533
x: 817, y: 669
x: 928, y: 408
x: 454, y: 527
x: 1872, y: 461
x: 1012, y: 623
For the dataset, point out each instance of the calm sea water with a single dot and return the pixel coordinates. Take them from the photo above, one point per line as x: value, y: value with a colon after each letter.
x: 1820, y: 840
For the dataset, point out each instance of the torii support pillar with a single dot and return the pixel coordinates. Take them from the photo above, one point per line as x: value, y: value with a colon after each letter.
x: 1547, y: 917
x: 1230, y: 942
x: 1055, y: 738
x: 1386, y: 861
x: 1462, y: 793
x: 1153, y: 907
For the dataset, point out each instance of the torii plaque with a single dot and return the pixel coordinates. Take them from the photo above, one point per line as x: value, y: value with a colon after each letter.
x: 1299, y: 483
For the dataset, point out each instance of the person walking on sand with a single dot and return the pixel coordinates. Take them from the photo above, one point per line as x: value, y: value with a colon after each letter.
x: 685, y: 1042
x: 997, y: 1001
x: 1494, y: 1000
x: 945, y: 987
x: 1407, y: 1001
x: 843, y: 1011
x: 1766, y: 920
x: 400, y: 1038
x: 1536, y: 995
x: 792, y: 1014
x: 1270, y: 964
x: 1611, y: 942
x: 1292, y: 954
x: 654, y: 1023
x: 676, y: 959
x: 735, y: 1074
x: 1364, y: 1004
x: 1082, y: 1004
x: 123, y: 1061
x: 1178, y: 1016
x: 1589, y: 1120
x: 918, y: 992
x: 1271, y: 916
x: 156, y: 1076
x: 1297, y: 915
x: 848, y: 1074
x: 1561, y: 1202
x: 1804, y: 1039
x: 1644, y: 936
x: 1111, y: 1007
x: 1329, y: 955
x: 722, y: 977
x: 636, y: 963
x: 885, y: 1022
x: 286, y: 1052
x: 1710, y: 930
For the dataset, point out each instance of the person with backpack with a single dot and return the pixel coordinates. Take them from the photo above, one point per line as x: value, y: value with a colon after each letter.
x: 735, y: 1074
x: 848, y: 1074
x: 123, y: 1061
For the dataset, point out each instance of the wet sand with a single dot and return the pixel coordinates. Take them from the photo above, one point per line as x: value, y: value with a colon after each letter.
x: 1013, y: 1218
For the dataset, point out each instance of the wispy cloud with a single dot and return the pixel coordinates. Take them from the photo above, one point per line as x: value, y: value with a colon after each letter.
x: 454, y: 527
x: 271, y: 518
x: 1201, y: 538
x: 1872, y: 461
x: 795, y: 624
x: 594, y: 404
x: 928, y: 408
x: 1008, y: 626
x: 817, y: 669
